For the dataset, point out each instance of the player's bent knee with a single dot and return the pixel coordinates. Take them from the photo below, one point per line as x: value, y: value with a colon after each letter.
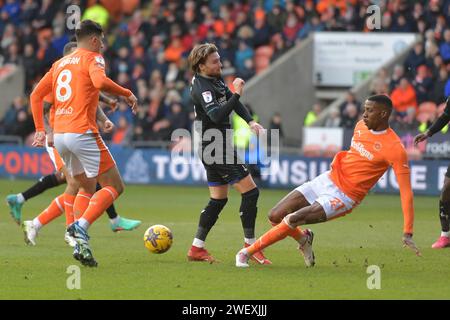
x: 120, y: 187
x: 60, y: 177
x: 275, y: 215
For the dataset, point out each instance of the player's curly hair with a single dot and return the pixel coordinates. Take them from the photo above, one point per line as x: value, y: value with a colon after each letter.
x: 199, y: 55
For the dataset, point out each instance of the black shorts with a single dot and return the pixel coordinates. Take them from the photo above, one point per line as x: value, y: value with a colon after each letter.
x: 221, y: 174
x: 229, y: 171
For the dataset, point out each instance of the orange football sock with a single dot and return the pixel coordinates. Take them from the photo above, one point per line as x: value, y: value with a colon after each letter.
x: 68, y: 207
x: 100, y: 201
x: 296, y: 233
x: 54, y: 210
x: 277, y: 233
x: 81, y: 204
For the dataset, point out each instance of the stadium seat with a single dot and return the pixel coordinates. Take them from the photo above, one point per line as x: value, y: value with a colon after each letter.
x: 263, y: 55
x: 266, y: 51
x: 440, y: 109
x: 312, y: 150
x: 331, y: 150
x: 261, y: 63
x: 429, y: 107
x: 414, y: 154
x: 424, y: 117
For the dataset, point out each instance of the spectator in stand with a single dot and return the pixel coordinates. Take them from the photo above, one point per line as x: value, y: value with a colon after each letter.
x: 415, y: 59
x: 438, y: 63
x: 404, y: 97
x: 422, y: 84
x: 445, y: 47
x: 248, y: 71
x: 275, y: 124
x: 291, y: 28
x: 333, y: 120
x: 397, y: 75
x: 23, y: 126
x: 401, y: 25
x: 312, y: 25
x: 312, y: 115
x: 350, y: 116
x: 407, y: 122
x: 262, y: 33
x: 279, y: 45
x: 437, y: 95
x: 349, y: 99
x: 276, y: 18
x: 244, y: 52
x: 123, y: 132
x: 380, y: 84
x: 447, y: 88
x: 9, y: 120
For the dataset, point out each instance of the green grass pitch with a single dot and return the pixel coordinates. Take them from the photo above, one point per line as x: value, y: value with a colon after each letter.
x: 344, y: 248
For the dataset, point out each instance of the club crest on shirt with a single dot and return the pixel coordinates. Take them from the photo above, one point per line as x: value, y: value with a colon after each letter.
x: 207, y: 96
x: 377, y: 146
x: 100, y: 61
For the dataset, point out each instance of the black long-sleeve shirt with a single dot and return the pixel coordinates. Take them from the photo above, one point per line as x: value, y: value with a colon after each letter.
x: 213, y: 103
x: 442, y: 120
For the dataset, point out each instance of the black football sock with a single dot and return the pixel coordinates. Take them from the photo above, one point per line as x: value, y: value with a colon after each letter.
x: 248, y: 211
x: 209, y: 216
x: 43, y: 184
x: 444, y: 214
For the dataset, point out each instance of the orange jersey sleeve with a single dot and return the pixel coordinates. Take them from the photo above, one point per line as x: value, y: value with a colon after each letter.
x: 399, y: 163
x: 101, y: 81
x: 43, y: 88
x: 51, y: 115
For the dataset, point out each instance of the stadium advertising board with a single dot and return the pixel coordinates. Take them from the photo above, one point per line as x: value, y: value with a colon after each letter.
x: 344, y: 59
x: 144, y: 166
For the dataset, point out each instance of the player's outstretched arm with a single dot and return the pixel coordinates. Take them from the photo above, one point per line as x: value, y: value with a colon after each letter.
x: 407, y: 199
x: 102, y: 120
x: 103, y: 83
x: 437, y: 126
x: 112, y: 102
x: 43, y: 88
x: 48, y: 127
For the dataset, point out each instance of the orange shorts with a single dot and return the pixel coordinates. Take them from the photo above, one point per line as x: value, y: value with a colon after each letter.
x: 84, y: 153
x: 55, y: 157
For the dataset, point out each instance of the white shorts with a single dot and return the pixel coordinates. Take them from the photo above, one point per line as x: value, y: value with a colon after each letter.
x: 84, y: 153
x: 54, y: 156
x: 323, y: 191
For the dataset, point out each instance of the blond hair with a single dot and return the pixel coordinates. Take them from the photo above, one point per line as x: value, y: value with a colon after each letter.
x: 199, y: 55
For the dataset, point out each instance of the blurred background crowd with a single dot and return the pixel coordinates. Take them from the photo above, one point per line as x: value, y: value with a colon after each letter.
x: 147, y: 44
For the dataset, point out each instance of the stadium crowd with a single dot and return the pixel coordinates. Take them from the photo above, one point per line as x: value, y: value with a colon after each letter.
x: 146, y: 50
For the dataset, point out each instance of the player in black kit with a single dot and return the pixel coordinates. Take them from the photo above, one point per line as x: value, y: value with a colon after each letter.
x: 444, y: 201
x: 213, y: 103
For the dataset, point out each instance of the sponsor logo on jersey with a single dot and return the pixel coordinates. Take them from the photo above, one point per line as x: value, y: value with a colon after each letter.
x: 64, y: 111
x: 358, y: 146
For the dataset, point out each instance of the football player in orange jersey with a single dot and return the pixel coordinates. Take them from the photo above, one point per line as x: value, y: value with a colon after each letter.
x: 60, y: 176
x: 374, y: 149
x: 75, y: 82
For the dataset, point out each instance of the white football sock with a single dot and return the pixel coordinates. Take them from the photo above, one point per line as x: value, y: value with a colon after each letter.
x: 198, y: 243
x: 82, y: 222
x: 20, y: 198
x: 37, y: 224
x: 115, y: 220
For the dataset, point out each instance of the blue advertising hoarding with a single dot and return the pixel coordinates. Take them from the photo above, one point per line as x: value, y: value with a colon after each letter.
x: 149, y: 166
